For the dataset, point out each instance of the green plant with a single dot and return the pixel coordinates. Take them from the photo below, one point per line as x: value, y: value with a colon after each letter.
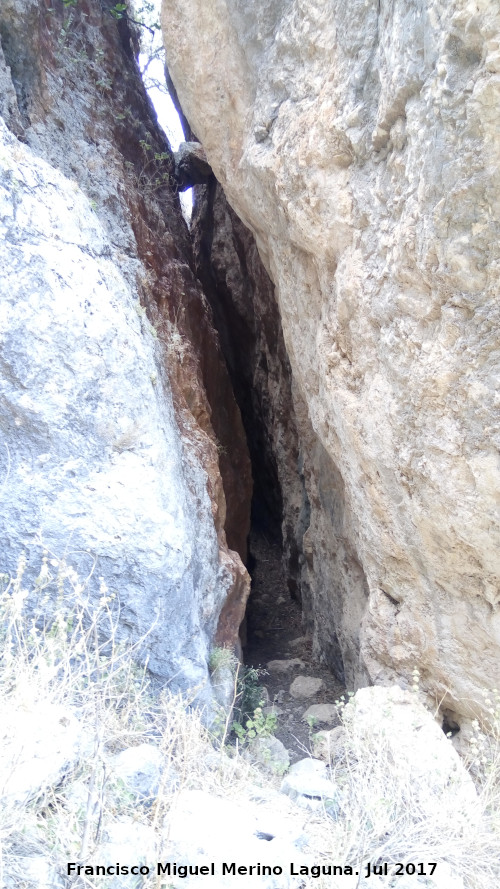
x: 259, y: 725
x: 119, y: 10
x: 153, y: 176
x: 249, y: 719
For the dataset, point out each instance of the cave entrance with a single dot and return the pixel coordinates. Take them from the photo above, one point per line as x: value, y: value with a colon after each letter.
x: 280, y: 650
x: 278, y: 645
x: 273, y: 619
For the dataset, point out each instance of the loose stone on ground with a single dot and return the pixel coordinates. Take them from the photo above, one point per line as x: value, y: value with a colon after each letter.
x: 279, y: 666
x: 320, y: 713
x: 305, y: 686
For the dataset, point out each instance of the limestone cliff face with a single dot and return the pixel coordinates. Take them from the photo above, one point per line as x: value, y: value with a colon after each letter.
x: 360, y: 144
x: 123, y: 450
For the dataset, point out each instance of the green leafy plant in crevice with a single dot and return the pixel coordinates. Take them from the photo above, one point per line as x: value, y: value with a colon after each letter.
x: 119, y: 10
x: 153, y: 176
x: 250, y: 721
x: 258, y: 725
x: 246, y: 719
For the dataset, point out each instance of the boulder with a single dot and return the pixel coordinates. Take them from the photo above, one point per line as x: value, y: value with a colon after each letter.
x: 191, y: 165
x: 92, y: 462
x: 140, y: 769
x: 283, y: 666
x: 271, y: 753
x: 329, y: 745
x: 39, y: 744
x: 127, y: 842
x: 320, y: 713
x: 308, y: 784
x: 201, y: 829
x: 305, y: 687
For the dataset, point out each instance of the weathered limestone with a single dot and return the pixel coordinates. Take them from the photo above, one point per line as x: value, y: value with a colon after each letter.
x: 122, y: 450
x: 360, y: 144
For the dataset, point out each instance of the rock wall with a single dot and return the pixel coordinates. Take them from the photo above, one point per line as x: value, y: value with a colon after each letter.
x: 360, y: 144
x: 247, y: 318
x: 123, y: 450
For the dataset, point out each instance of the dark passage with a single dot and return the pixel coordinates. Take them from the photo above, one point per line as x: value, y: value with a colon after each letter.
x: 248, y: 322
x: 275, y: 632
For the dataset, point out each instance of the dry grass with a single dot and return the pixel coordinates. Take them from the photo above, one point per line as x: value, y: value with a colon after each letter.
x: 73, y: 659
x: 385, y: 818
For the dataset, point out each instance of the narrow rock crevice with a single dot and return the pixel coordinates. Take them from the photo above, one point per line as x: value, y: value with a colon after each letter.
x: 281, y: 650
x: 218, y: 361
x: 246, y: 315
x: 323, y: 124
x: 298, y: 495
x: 159, y: 460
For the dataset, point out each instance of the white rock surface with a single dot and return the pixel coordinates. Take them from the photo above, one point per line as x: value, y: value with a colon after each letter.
x: 360, y: 143
x: 32, y: 871
x: 271, y: 753
x: 329, y: 745
x: 391, y: 729
x: 283, y: 666
x: 39, y: 743
x: 131, y: 844
x: 308, y: 784
x: 201, y: 829
x: 92, y: 462
x: 140, y: 769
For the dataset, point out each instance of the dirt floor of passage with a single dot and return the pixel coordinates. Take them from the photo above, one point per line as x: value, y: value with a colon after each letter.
x: 275, y: 632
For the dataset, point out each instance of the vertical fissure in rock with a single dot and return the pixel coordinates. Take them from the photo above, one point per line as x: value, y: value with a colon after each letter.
x: 247, y: 319
x: 228, y: 267
x: 231, y: 387
x: 298, y: 505
x: 280, y: 626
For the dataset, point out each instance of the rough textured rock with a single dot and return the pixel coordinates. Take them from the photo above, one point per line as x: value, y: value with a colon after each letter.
x: 39, y: 743
x: 201, y: 828
x: 284, y: 666
x: 127, y: 840
x: 36, y: 872
x: 391, y: 728
x: 271, y: 754
x: 247, y: 317
x: 360, y: 144
x: 191, y: 165
x: 140, y: 769
x: 329, y: 745
x: 123, y: 449
x: 320, y: 713
x: 305, y: 686
x: 309, y: 785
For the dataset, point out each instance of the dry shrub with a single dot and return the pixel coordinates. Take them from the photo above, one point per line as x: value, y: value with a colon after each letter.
x: 73, y: 658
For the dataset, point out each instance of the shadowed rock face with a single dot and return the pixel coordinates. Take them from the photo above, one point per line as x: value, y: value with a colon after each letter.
x: 247, y: 318
x: 298, y: 492
x: 360, y: 144
x: 123, y: 449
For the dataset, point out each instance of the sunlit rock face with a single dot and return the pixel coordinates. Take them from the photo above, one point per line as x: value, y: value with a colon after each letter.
x: 122, y: 447
x: 360, y: 144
